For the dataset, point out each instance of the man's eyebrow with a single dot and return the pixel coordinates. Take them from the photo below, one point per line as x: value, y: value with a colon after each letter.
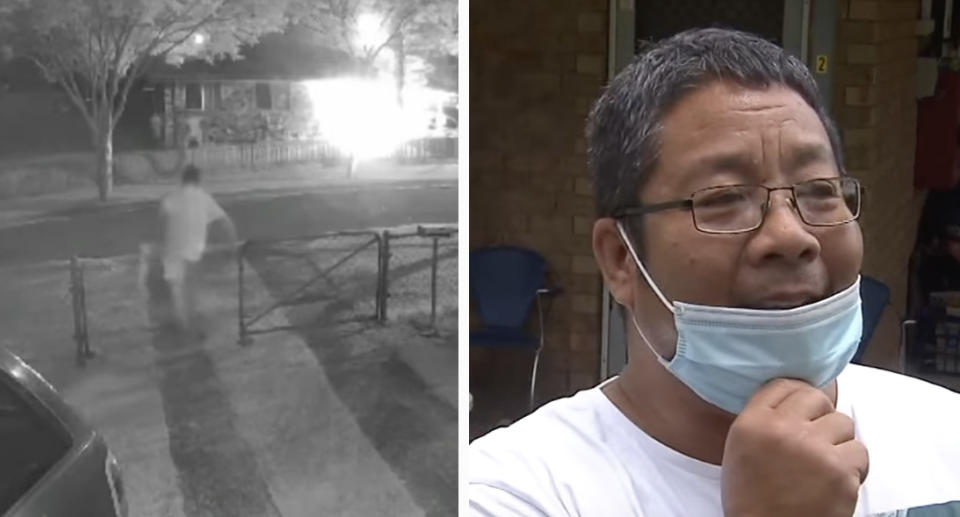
x: 806, y: 154
x: 732, y: 161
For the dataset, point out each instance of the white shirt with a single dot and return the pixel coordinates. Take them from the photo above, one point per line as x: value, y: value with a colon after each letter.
x: 188, y: 211
x: 580, y: 456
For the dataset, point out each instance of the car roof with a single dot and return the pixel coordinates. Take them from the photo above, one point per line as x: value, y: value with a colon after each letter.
x: 44, y: 394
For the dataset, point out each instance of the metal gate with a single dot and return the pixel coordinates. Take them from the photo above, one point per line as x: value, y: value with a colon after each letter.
x: 362, y: 269
x: 298, y: 250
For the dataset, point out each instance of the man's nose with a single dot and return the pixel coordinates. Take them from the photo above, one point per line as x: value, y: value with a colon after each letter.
x: 783, y: 234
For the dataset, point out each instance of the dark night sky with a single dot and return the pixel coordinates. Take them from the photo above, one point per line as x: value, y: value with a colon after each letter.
x: 293, y: 54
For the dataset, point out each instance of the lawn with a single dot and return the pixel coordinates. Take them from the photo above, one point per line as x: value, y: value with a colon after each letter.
x: 117, y: 391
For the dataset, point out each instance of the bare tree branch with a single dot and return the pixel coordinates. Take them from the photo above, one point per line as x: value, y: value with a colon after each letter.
x: 97, y: 50
x: 398, y: 29
x: 69, y: 86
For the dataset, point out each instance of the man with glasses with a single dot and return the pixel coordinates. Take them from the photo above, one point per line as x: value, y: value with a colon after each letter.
x: 727, y: 231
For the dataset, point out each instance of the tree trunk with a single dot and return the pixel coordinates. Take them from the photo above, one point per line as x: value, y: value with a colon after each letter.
x: 352, y: 163
x: 103, y: 144
x: 401, y: 69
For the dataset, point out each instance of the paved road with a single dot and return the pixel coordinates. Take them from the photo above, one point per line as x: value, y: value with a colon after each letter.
x: 117, y: 230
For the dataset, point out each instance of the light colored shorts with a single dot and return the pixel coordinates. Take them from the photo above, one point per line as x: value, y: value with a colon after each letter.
x: 176, y: 270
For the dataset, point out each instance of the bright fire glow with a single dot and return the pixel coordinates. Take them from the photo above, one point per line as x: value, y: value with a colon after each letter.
x: 362, y: 116
x: 370, y: 30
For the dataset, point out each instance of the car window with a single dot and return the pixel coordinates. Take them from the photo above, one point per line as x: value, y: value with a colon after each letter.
x: 31, y: 442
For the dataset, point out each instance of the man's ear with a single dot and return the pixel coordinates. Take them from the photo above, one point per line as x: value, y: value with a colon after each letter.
x: 614, y: 260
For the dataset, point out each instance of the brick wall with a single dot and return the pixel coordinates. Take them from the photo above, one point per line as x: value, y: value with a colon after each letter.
x: 875, y: 107
x: 535, y: 68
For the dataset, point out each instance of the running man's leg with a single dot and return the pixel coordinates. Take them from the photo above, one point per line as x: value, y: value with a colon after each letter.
x: 192, y: 289
x: 174, y: 271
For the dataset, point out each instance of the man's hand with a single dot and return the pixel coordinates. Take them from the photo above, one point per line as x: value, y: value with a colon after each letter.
x: 790, y: 453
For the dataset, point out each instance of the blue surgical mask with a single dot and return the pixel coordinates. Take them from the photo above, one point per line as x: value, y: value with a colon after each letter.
x: 726, y: 354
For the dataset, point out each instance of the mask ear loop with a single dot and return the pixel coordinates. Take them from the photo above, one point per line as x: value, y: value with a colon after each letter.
x: 643, y: 270
x: 656, y: 290
x: 660, y: 358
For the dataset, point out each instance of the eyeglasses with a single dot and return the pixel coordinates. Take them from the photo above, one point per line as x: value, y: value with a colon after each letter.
x: 743, y: 208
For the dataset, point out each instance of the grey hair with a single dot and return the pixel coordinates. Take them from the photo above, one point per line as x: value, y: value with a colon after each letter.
x: 624, y: 126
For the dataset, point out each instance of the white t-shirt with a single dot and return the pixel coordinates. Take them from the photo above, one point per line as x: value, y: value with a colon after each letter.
x: 580, y: 456
x: 188, y: 211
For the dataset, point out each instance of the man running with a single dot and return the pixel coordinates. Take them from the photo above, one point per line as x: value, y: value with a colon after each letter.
x: 185, y: 216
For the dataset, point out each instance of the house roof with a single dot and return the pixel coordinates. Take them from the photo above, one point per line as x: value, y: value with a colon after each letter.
x: 291, y: 55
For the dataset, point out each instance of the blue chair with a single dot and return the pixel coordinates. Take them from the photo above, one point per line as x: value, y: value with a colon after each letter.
x: 505, y: 281
x: 874, y: 296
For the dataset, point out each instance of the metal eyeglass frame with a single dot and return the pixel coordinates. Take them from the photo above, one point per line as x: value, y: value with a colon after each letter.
x: 687, y: 204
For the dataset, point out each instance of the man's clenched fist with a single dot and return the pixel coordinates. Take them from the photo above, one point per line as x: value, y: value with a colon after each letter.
x: 790, y: 453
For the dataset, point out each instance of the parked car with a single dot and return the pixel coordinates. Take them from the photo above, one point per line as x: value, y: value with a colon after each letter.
x: 51, y: 462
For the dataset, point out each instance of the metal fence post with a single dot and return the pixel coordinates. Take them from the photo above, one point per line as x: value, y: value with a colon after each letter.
x: 75, y: 304
x: 379, y: 295
x: 385, y: 277
x: 242, y: 339
x: 78, y: 297
x: 433, y: 283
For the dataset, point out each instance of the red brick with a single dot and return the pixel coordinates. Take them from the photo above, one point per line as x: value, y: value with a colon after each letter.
x: 583, y: 264
x: 529, y: 184
x: 585, y: 304
x: 549, y: 224
x: 582, y: 225
x: 582, y: 85
x: 582, y: 341
x: 863, y: 10
x: 583, y: 187
x: 590, y: 64
x: 589, y: 42
x: 585, y: 323
x: 858, y: 116
x: 857, y: 32
x: 875, y: 53
x: 559, y: 62
x: 549, y: 180
x: 882, y: 10
x: 582, y: 381
x: 538, y: 83
x: 586, y: 361
x: 861, y: 137
x: 876, y: 31
x: 573, y: 166
x: 528, y: 162
x: 580, y: 146
x: 575, y: 205
x: 866, y: 53
x: 898, y: 49
x: 861, y: 96
x: 591, y: 22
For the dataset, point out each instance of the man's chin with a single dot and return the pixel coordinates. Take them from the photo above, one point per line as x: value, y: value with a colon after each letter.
x: 786, y: 303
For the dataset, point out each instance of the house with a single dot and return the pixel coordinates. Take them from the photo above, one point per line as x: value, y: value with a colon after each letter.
x: 285, y: 88
x: 263, y: 96
x: 198, y: 109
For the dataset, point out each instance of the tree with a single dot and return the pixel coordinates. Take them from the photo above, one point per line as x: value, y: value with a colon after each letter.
x: 433, y: 38
x: 363, y: 29
x: 97, y: 49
